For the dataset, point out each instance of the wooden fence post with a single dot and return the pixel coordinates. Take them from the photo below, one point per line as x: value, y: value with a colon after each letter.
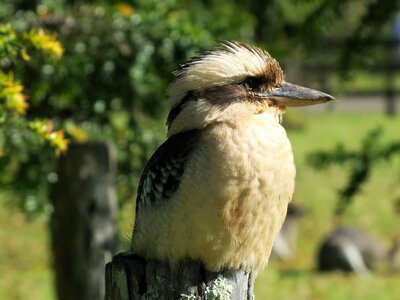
x: 83, y: 225
x: 129, y: 277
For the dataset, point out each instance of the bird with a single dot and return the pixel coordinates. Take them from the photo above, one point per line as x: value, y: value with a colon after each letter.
x: 351, y: 249
x: 217, y: 190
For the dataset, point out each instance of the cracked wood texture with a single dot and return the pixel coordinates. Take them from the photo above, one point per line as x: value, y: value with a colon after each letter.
x: 83, y: 225
x: 130, y: 277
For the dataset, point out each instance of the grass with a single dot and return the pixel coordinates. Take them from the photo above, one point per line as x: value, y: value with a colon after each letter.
x: 371, y: 210
x: 366, y: 82
x: 25, y: 264
x: 25, y: 268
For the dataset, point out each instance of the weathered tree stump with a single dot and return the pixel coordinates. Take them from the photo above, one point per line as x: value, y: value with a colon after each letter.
x: 130, y: 277
x: 83, y: 225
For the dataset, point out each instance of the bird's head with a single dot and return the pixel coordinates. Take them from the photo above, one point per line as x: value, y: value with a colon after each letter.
x: 230, y: 83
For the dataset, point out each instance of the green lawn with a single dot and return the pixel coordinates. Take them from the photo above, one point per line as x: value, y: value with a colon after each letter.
x: 372, y: 210
x: 366, y: 82
x: 25, y: 271
x: 25, y: 263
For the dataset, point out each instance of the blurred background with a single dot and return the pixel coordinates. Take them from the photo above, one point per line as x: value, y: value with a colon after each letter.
x: 75, y: 74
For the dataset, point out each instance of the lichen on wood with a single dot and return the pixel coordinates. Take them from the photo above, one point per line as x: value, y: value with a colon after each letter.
x: 131, y: 277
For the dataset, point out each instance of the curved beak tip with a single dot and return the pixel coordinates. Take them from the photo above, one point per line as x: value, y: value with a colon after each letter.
x: 328, y: 98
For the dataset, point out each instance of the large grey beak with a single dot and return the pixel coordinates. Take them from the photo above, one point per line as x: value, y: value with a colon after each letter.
x: 294, y: 95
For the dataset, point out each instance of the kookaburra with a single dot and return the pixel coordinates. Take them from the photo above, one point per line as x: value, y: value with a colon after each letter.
x: 217, y: 190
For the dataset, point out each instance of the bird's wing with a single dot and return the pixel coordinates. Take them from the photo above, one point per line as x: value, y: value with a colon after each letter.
x: 163, y: 172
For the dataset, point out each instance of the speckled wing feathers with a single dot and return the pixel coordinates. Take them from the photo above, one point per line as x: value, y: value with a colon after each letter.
x: 163, y: 172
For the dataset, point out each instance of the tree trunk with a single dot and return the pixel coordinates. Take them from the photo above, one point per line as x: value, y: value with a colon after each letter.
x: 83, y: 225
x: 129, y: 277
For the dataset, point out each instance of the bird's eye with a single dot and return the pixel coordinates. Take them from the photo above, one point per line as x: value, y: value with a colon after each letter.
x: 253, y: 83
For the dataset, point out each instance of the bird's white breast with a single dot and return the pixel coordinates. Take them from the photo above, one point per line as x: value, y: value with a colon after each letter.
x: 232, y: 199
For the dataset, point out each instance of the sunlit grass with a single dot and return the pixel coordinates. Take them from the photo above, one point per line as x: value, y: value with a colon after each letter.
x: 367, y: 82
x: 25, y: 270
x: 25, y: 266
x: 371, y: 210
x: 306, y: 284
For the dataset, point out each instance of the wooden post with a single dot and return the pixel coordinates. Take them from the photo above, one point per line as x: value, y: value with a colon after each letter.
x: 83, y: 225
x: 129, y: 277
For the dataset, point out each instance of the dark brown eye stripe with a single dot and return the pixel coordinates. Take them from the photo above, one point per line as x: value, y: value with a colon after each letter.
x: 254, y: 82
x: 222, y: 95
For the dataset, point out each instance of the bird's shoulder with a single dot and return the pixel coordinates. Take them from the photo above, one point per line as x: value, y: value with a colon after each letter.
x: 163, y: 172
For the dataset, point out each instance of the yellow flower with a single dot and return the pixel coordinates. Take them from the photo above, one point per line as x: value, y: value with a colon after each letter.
x: 59, y: 142
x: 12, y: 93
x: 45, y: 42
x: 125, y: 9
x: 17, y: 102
x: 41, y: 127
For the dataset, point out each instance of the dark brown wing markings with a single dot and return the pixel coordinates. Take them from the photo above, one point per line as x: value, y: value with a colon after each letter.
x: 163, y: 172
